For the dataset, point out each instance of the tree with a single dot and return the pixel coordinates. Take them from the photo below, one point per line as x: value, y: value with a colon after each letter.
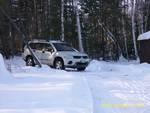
x: 102, y: 16
x: 4, y: 29
x: 78, y: 26
x: 105, y: 29
x: 62, y: 20
x: 133, y: 27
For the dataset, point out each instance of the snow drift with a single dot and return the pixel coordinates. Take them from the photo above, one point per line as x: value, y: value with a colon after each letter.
x: 4, y: 73
x: 119, y: 68
x: 3, y: 70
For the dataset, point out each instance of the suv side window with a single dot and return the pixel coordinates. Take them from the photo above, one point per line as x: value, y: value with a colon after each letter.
x: 37, y: 46
x: 32, y: 45
x: 48, y: 47
x: 40, y: 46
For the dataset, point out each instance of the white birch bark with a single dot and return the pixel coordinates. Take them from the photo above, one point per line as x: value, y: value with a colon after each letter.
x: 133, y: 27
x: 78, y: 27
x: 79, y: 31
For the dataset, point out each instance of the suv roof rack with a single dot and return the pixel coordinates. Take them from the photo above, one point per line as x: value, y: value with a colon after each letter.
x: 42, y: 40
x: 38, y: 40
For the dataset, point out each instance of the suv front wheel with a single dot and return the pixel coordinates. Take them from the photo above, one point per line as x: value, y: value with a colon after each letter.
x: 81, y: 68
x: 59, y: 64
x: 30, y: 61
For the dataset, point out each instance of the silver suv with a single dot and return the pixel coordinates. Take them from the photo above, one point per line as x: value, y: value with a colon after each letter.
x: 57, y: 54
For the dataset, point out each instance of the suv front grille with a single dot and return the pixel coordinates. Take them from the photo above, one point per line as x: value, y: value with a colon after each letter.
x: 79, y: 57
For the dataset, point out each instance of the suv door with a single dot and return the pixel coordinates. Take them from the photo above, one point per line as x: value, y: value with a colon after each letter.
x: 47, y: 54
x: 37, y: 49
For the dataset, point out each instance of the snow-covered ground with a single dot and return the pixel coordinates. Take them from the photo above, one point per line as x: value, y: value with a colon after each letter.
x: 42, y: 90
x: 119, y: 87
x: 105, y: 87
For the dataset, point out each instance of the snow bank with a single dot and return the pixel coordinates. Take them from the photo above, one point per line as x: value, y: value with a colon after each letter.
x: 28, y: 71
x: 4, y: 73
x: 3, y: 70
x: 95, y: 66
x: 124, y: 69
x: 144, y: 36
x: 43, y: 90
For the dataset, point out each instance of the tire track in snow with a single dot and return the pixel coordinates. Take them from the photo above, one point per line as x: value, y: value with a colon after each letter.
x: 119, y: 89
x: 95, y: 99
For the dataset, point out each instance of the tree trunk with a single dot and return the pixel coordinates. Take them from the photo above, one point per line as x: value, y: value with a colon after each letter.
x: 62, y: 20
x: 78, y: 27
x: 35, y: 19
x: 125, y: 38
x: 133, y: 27
x: 23, y: 37
x: 79, y: 31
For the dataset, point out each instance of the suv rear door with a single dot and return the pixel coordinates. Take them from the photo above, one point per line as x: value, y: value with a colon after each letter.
x: 47, y: 52
x: 37, y: 49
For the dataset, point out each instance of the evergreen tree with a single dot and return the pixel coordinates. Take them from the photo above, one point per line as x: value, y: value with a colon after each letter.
x: 106, y: 26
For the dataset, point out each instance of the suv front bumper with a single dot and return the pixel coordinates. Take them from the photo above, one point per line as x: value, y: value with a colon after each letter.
x: 76, y: 63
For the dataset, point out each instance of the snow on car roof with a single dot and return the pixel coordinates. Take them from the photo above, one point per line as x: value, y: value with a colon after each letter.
x: 144, y: 36
x: 55, y: 41
x: 45, y: 41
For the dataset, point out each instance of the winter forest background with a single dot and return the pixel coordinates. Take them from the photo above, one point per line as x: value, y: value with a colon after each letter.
x: 105, y: 29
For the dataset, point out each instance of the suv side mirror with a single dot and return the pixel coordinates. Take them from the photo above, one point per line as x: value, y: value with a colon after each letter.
x: 43, y: 50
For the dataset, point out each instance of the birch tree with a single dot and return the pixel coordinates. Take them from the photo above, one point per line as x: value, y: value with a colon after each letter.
x: 78, y: 26
x: 133, y: 27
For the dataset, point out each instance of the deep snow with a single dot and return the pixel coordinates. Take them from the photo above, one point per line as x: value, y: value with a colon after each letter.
x: 5, y: 75
x: 119, y: 87
x: 105, y: 87
x: 42, y: 90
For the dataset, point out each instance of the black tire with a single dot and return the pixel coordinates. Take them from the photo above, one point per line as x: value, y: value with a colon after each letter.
x: 59, y: 64
x: 81, y: 68
x: 30, y: 61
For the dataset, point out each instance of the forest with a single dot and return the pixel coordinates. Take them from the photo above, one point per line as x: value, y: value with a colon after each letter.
x: 104, y: 29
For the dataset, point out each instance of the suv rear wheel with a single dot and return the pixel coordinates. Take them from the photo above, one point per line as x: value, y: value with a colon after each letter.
x: 59, y: 64
x: 30, y: 61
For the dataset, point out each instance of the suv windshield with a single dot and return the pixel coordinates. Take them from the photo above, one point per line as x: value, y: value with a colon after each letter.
x: 63, y: 47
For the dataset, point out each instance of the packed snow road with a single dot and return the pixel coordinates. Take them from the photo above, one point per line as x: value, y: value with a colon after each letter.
x: 119, y: 95
x: 102, y: 88
x: 42, y: 90
x: 119, y: 88
x: 58, y: 94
